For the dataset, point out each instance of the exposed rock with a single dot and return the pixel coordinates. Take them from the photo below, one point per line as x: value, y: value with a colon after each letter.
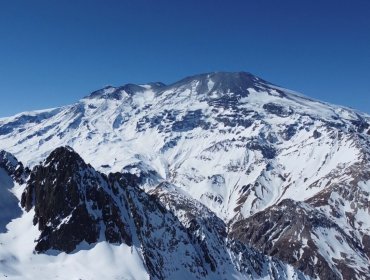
x: 72, y: 203
x: 278, y: 110
x: 13, y: 167
x: 292, y: 232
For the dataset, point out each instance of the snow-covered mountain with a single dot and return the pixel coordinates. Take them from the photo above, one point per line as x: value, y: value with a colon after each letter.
x: 74, y: 215
x: 250, y: 177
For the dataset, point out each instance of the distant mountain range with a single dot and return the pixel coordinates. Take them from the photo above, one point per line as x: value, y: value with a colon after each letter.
x: 217, y: 176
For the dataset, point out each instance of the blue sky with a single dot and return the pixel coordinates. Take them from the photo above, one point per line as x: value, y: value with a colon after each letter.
x: 55, y: 52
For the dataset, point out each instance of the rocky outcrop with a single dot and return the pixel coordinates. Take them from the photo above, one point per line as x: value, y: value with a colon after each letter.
x: 299, y: 234
x: 72, y: 204
x: 13, y: 167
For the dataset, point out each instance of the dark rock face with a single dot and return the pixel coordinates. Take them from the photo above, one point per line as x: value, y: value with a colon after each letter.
x: 13, y: 167
x: 360, y: 124
x: 289, y: 132
x: 289, y: 232
x: 162, y: 121
x: 260, y: 145
x: 170, y: 143
x: 316, y: 134
x: 239, y: 117
x: 221, y: 89
x: 278, y: 110
x: 190, y: 121
x: 72, y: 202
x: 236, y: 82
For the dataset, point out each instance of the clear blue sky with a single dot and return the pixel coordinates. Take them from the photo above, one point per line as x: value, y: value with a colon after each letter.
x: 55, y: 52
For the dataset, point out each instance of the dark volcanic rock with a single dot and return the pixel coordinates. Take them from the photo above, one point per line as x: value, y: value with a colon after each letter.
x: 289, y: 132
x: 235, y: 82
x: 72, y: 202
x: 278, y: 110
x: 13, y: 167
x: 191, y: 120
x: 267, y: 150
x: 316, y: 134
x: 289, y: 231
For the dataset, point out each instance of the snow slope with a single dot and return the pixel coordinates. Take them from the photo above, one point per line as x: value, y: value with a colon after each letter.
x: 103, y: 261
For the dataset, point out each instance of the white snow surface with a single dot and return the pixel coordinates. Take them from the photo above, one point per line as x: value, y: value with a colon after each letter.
x: 102, y: 261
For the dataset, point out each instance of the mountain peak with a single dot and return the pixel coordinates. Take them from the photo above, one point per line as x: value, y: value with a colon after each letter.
x: 63, y: 153
x: 65, y: 158
x: 222, y: 82
x: 117, y: 93
x: 72, y: 204
x: 219, y: 81
x: 221, y: 77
